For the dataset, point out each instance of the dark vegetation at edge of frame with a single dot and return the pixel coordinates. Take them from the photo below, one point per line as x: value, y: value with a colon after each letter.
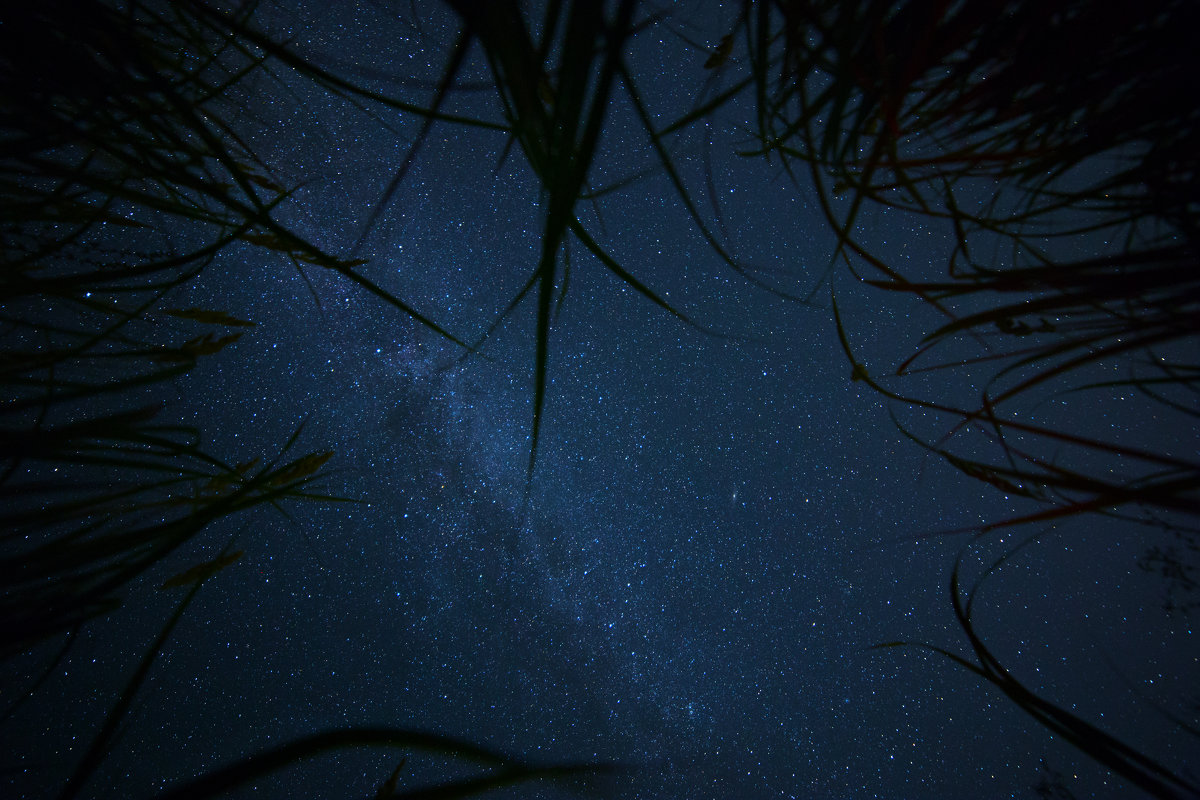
x: 127, y: 120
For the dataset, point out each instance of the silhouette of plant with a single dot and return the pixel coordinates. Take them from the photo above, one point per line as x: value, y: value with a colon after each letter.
x: 1056, y: 146
x: 1138, y: 768
x: 123, y: 175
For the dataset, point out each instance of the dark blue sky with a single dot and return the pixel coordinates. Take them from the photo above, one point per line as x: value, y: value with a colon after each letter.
x: 719, y: 527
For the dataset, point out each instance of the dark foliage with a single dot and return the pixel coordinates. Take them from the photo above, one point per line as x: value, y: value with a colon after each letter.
x: 1059, y: 145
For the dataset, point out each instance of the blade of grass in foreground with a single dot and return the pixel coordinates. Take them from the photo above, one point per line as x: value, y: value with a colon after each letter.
x: 507, y: 771
x: 1107, y: 750
x: 99, y: 748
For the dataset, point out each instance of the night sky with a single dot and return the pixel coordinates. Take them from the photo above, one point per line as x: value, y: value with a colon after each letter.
x: 720, y: 524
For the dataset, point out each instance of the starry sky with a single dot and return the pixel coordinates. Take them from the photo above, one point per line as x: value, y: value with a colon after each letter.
x: 720, y: 525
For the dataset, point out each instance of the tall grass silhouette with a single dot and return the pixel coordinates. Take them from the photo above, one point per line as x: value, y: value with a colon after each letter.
x: 123, y: 175
x: 1058, y: 148
x: 121, y: 180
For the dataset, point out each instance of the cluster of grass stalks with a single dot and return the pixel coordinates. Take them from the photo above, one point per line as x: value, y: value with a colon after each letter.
x: 556, y: 79
x: 1058, y: 147
x: 123, y: 176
